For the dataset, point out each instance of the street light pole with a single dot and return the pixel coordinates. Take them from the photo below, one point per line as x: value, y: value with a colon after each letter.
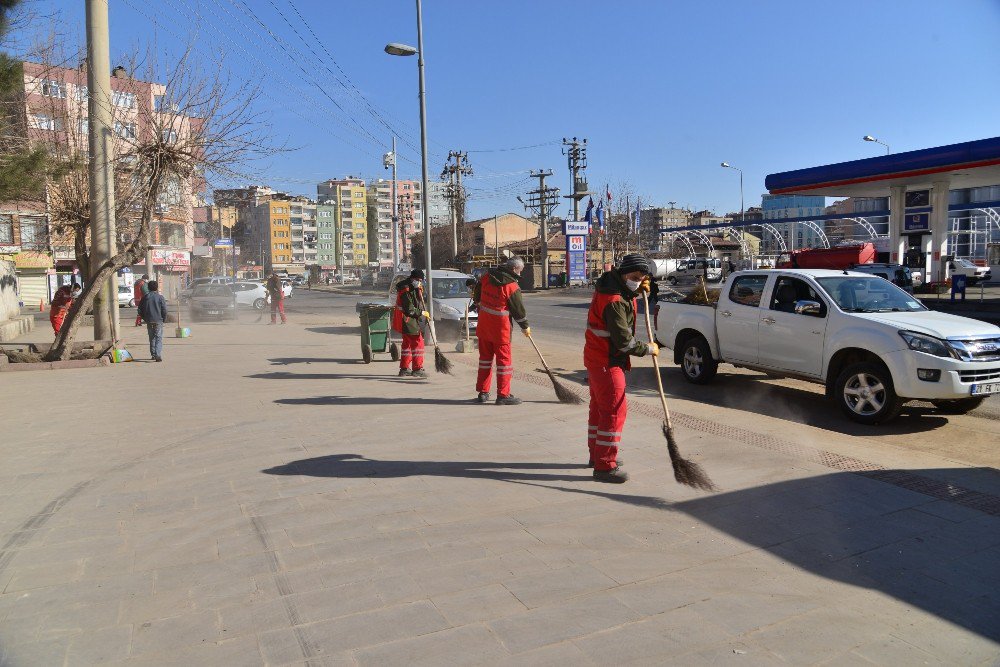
x: 869, y: 137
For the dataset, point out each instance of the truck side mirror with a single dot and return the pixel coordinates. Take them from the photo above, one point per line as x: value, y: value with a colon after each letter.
x: 805, y: 307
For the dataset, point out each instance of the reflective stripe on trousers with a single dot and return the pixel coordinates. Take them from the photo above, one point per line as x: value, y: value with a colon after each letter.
x: 505, y: 368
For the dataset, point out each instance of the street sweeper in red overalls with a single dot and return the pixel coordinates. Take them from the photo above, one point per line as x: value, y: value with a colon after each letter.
x: 406, y: 320
x: 61, y: 303
x: 610, y: 342
x: 498, y: 297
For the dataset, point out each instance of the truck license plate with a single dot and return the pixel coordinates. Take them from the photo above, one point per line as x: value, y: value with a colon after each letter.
x: 986, y: 388
x: 212, y: 312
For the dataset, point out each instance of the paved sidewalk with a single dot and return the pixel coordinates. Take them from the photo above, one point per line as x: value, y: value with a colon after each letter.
x: 263, y: 497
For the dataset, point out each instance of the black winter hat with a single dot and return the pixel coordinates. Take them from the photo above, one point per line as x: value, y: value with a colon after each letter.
x: 632, y: 263
x: 417, y: 273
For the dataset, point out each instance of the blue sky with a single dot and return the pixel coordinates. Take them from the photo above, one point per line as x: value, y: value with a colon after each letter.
x: 663, y: 90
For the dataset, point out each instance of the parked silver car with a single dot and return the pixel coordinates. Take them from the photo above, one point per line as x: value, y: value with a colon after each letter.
x: 252, y: 294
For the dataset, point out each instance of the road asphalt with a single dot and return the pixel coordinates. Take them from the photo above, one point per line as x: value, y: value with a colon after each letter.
x: 265, y: 497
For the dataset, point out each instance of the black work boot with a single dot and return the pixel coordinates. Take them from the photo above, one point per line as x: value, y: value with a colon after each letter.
x: 404, y: 372
x: 615, y: 476
x: 508, y: 400
x: 483, y: 397
x: 420, y: 373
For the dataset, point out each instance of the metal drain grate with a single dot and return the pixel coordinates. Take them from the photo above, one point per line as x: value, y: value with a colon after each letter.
x: 977, y: 500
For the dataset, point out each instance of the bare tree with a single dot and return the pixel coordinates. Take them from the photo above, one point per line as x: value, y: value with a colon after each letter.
x: 200, y: 126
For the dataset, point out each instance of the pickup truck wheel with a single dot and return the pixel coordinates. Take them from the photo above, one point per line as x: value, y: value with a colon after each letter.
x: 866, y: 394
x: 697, y: 363
x: 959, y: 406
x: 672, y: 280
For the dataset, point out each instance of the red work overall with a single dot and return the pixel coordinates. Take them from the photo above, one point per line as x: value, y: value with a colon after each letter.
x: 411, y: 353
x: 493, y: 332
x: 608, y: 407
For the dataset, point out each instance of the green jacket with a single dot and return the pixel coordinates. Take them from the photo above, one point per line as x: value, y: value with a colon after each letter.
x: 619, y: 317
x: 515, y: 303
x: 410, y: 306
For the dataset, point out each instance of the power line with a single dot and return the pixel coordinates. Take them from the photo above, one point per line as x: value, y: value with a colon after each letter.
x: 513, y: 148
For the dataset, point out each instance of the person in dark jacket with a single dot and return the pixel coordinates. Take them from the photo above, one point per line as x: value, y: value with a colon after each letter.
x: 610, y: 341
x: 499, y: 301
x: 154, y: 313
x: 140, y: 290
x: 406, y: 321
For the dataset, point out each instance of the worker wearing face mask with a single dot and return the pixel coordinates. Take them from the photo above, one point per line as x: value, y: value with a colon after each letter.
x: 406, y: 321
x: 610, y: 341
x: 61, y: 303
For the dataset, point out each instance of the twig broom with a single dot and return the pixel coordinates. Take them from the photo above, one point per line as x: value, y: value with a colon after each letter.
x: 563, y: 393
x: 686, y: 472
x: 442, y: 364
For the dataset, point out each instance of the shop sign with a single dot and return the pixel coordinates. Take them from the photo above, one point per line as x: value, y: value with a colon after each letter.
x: 163, y: 257
x: 33, y: 259
x: 9, y: 249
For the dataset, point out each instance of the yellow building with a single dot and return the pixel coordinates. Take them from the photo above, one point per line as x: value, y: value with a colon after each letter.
x: 352, y: 217
x: 272, y: 233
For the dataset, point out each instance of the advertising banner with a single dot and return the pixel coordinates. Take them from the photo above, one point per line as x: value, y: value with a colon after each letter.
x: 576, y: 256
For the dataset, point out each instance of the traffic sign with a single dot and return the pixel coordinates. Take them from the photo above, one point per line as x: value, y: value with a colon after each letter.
x: 223, y: 243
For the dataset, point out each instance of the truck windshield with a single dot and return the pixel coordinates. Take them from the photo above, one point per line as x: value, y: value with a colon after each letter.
x: 450, y: 288
x: 856, y: 294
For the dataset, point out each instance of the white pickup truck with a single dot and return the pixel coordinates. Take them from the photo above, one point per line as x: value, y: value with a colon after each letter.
x: 873, y: 345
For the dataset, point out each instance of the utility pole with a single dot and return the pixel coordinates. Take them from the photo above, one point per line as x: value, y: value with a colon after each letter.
x: 544, y: 199
x: 101, y: 168
x: 576, y: 156
x: 454, y: 173
x: 389, y: 160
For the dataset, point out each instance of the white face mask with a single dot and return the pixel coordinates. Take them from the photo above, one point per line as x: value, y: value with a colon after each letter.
x: 632, y: 284
x: 418, y: 283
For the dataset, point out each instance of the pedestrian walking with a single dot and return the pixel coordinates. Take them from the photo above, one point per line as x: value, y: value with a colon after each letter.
x: 277, y: 296
x: 610, y: 341
x: 139, y: 292
x: 61, y: 303
x: 406, y: 320
x: 154, y: 313
x: 498, y: 298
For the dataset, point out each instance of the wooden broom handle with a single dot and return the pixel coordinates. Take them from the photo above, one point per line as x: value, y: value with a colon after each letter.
x: 656, y: 364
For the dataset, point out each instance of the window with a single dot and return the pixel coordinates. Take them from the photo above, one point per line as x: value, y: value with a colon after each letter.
x: 747, y: 290
x: 33, y: 232
x: 359, y: 194
x: 6, y: 230
x: 358, y: 204
x: 44, y: 121
x: 82, y: 125
x: 169, y: 136
x: 326, y: 235
x: 348, y: 215
x: 53, y: 88
x: 788, y: 290
x: 324, y: 214
x: 122, y: 99
x: 82, y: 93
x: 126, y: 130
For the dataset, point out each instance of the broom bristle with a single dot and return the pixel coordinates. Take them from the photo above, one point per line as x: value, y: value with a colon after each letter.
x: 564, y: 394
x: 442, y: 364
x: 686, y: 472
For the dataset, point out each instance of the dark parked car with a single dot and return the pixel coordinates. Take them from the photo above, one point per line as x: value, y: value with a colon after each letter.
x: 213, y: 302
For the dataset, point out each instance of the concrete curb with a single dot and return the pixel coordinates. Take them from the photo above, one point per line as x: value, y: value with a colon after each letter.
x: 16, y: 326
x: 7, y: 367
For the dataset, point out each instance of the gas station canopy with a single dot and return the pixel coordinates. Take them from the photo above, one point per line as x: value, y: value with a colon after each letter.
x: 967, y: 165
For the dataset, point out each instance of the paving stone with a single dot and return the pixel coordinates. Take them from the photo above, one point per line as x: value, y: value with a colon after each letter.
x: 466, y: 645
x: 170, y: 634
x: 100, y: 646
x: 556, y: 623
x: 374, y: 627
x: 535, y: 590
x: 893, y: 651
x: 816, y: 635
x: 565, y: 653
x: 659, y: 595
x: 478, y: 604
x: 49, y: 652
x: 43, y: 576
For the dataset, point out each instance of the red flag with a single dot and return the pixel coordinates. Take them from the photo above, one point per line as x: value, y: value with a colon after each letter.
x: 608, y: 192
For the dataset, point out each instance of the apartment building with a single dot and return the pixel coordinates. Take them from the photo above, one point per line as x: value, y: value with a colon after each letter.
x: 408, y: 212
x: 351, y: 216
x: 55, y: 107
x: 270, y: 230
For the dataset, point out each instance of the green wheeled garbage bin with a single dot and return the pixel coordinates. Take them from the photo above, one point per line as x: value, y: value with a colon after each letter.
x: 375, y: 331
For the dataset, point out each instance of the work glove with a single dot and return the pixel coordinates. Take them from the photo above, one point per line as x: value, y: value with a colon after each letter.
x: 426, y: 315
x: 527, y: 331
x: 644, y: 285
x: 654, y: 349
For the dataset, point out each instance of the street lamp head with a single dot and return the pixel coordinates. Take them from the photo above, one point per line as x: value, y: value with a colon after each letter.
x: 397, y: 49
x: 868, y: 137
x: 725, y: 164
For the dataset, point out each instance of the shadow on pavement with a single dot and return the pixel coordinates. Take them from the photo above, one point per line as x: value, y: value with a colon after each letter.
x: 806, y: 405
x: 357, y: 466
x: 866, y: 534
x: 380, y: 400
x: 285, y: 361
x: 351, y: 330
